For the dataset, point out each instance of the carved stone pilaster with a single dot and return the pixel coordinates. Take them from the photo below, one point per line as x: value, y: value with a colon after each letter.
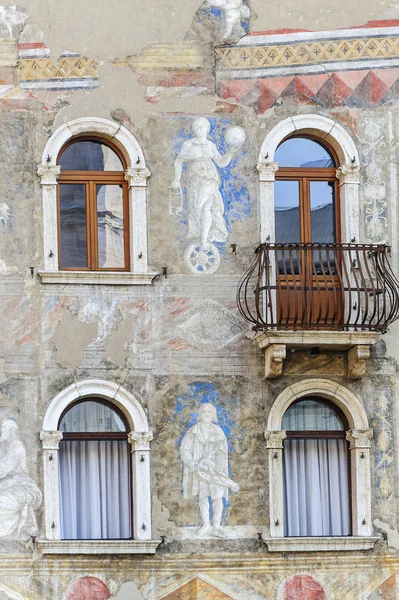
x: 50, y: 439
x: 274, y: 439
x: 140, y: 440
x: 359, y: 438
x: 357, y: 357
x: 274, y: 360
x: 348, y: 174
x: 48, y: 174
x: 267, y: 171
x: 137, y: 177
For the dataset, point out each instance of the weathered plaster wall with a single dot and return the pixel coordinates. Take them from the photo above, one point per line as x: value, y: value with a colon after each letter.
x: 180, y: 342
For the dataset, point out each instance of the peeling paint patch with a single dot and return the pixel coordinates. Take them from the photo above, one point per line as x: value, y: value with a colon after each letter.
x: 71, y: 339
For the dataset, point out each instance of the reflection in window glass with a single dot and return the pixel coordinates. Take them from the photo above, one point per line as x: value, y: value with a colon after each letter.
x: 73, y: 227
x: 91, y: 415
x: 303, y: 152
x: 110, y: 227
x: 89, y: 155
x: 322, y: 211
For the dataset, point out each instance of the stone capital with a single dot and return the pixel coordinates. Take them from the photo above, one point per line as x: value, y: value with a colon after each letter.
x: 137, y: 177
x: 267, y: 171
x: 48, y: 174
x: 274, y: 439
x: 348, y: 174
x: 50, y: 439
x: 359, y: 438
x: 140, y: 440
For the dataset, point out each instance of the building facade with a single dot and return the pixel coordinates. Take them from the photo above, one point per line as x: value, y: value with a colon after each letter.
x: 199, y: 255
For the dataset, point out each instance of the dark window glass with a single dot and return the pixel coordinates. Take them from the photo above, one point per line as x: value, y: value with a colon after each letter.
x: 303, y: 152
x: 73, y: 226
x: 90, y: 155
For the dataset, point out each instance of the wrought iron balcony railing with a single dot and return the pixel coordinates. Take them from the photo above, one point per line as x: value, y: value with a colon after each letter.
x: 320, y: 287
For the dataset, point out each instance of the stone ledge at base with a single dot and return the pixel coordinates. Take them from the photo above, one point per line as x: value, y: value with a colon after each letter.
x: 98, y: 546
x: 96, y: 277
x: 320, y: 544
x: 276, y: 342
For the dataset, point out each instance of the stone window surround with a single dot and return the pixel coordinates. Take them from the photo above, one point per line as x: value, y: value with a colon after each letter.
x: 136, y: 175
x: 359, y: 437
x: 139, y: 438
x: 323, y: 128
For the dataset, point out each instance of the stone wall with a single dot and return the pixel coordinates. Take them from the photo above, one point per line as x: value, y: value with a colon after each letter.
x: 179, y: 342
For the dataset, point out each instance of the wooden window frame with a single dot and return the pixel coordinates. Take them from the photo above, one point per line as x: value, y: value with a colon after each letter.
x: 323, y: 434
x: 91, y: 179
x: 101, y: 436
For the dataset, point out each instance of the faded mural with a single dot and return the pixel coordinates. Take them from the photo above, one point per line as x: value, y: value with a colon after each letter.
x: 200, y: 105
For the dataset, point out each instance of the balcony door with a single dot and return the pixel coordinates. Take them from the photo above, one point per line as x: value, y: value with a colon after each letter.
x: 308, y: 291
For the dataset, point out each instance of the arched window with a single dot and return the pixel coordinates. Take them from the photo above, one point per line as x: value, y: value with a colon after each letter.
x: 316, y: 470
x: 319, y: 485
x: 306, y: 192
x: 95, y: 472
x: 94, y: 189
x: 93, y: 207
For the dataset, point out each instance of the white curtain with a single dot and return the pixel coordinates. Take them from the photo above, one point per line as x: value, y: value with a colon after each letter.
x: 95, y: 489
x: 316, y: 487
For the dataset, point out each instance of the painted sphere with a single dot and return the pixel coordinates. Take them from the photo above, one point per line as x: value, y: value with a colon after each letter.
x: 235, y: 136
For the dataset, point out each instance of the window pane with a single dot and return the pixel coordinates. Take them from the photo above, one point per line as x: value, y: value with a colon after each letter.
x: 110, y: 226
x: 90, y: 156
x: 73, y: 233
x: 303, y: 152
x: 286, y: 210
x: 316, y: 487
x: 311, y: 415
x: 95, y: 488
x: 91, y: 416
x: 322, y: 206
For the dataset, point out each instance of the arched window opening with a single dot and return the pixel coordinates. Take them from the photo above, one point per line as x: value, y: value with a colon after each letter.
x: 316, y: 470
x: 95, y: 472
x: 307, y: 227
x: 306, y: 192
x: 93, y: 207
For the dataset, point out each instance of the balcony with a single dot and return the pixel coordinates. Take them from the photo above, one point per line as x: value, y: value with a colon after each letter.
x: 330, y: 296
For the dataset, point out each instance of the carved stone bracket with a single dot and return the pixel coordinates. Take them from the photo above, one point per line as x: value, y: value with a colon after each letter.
x: 274, y: 439
x: 348, y: 174
x: 140, y: 440
x: 359, y: 438
x: 357, y: 357
x: 267, y: 171
x: 274, y: 360
x: 50, y: 439
x: 48, y: 174
x: 137, y: 177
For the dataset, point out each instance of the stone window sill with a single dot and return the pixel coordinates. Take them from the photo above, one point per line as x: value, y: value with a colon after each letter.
x: 96, y: 277
x: 98, y: 546
x: 320, y: 544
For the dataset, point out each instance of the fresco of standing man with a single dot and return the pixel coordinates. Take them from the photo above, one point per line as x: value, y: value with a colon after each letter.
x: 204, y: 453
